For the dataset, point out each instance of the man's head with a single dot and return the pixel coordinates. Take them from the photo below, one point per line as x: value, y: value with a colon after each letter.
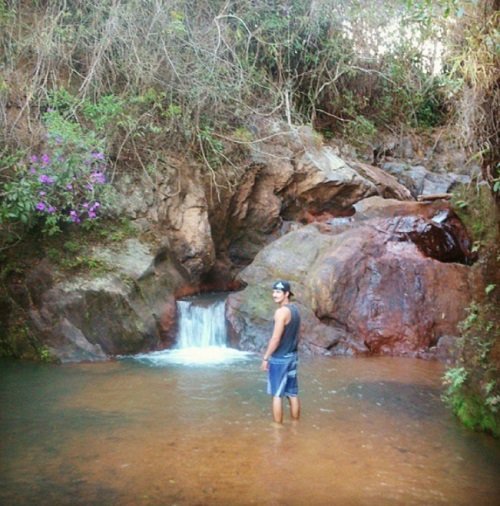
x: 281, y: 291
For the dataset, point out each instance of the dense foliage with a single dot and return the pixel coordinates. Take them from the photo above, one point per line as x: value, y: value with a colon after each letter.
x: 472, y: 386
x: 65, y: 183
x: 143, y: 77
x: 186, y: 72
x: 216, y: 64
x: 472, y: 383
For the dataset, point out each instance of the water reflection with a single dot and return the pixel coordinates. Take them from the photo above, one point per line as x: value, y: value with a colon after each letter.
x: 373, y: 432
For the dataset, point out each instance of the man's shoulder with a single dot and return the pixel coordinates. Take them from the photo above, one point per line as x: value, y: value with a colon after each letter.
x: 282, y: 311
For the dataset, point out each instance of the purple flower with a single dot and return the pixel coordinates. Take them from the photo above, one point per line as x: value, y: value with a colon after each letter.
x: 40, y: 206
x: 85, y: 205
x: 51, y: 209
x: 34, y: 159
x: 92, y: 215
x: 73, y: 215
x: 97, y: 155
x: 58, y: 139
x: 42, y: 193
x: 46, y: 179
x: 69, y: 186
x: 95, y: 206
x: 98, y: 177
x: 89, y: 186
x: 32, y: 170
x: 45, y: 159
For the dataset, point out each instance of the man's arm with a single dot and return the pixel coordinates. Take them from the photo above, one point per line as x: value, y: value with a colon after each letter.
x: 280, y: 320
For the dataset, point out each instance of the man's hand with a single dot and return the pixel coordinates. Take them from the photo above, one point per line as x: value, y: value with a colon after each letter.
x: 264, y: 366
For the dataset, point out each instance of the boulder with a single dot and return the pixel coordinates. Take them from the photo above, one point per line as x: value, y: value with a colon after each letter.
x: 387, y: 185
x: 421, y: 181
x: 299, y: 182
x: 374, y: 285
x: 184, y: 217
x: 126, y: 306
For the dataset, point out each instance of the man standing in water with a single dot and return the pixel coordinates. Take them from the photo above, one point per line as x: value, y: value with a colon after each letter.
x: 280, y: 358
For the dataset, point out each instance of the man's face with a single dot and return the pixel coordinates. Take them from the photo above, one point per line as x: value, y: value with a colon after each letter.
x: 279, y: 296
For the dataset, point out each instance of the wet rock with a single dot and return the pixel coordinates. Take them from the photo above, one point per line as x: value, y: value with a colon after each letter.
x: 441, y: 237
x: 374, y: 287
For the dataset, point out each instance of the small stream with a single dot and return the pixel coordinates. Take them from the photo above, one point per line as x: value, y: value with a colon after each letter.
x: 160, y: 430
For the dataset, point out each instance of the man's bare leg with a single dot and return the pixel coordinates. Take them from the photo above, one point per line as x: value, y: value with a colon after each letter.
x: 294, y: 407
x: 277, y: 410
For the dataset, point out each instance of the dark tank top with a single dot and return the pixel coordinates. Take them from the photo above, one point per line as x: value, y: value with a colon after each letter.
x: 290, y: 339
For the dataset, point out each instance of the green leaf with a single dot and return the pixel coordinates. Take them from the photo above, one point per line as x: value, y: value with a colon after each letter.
x: 490, y: 288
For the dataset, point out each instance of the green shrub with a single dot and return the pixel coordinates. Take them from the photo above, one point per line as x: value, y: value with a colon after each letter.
x: 472, y: 386
x: 64, y: 184
x: 360, y: 130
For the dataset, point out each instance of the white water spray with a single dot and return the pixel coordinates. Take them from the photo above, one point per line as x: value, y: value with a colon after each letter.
x: 202, y: 336
x: 201, y: 326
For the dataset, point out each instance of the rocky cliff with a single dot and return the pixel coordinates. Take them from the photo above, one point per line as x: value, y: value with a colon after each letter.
x: 374, y: 271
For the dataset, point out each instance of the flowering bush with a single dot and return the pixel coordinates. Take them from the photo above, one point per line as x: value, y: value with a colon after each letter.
x: 65, y: 183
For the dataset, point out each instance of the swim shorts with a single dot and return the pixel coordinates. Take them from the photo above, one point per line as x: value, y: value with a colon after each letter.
x: 282, y: 376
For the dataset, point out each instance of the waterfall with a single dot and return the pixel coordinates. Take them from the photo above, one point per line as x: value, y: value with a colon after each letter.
x: 201, y: 336
x: 201, y: 325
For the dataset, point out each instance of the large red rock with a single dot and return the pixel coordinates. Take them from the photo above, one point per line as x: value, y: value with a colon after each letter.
x: 393, y: 281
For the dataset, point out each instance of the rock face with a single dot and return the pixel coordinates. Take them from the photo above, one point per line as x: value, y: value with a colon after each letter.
x: 294, y: 179
x: 176, y: 206
x: 126, y: 309
x: 291, y: 177
x: 378, y: 283
x: 421, y: 181
x: 373, y: 270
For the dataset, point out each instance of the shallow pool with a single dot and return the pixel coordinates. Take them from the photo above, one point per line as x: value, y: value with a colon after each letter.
x: 373, y: 431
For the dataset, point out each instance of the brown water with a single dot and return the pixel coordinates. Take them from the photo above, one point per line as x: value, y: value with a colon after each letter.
x: 373, y: 431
